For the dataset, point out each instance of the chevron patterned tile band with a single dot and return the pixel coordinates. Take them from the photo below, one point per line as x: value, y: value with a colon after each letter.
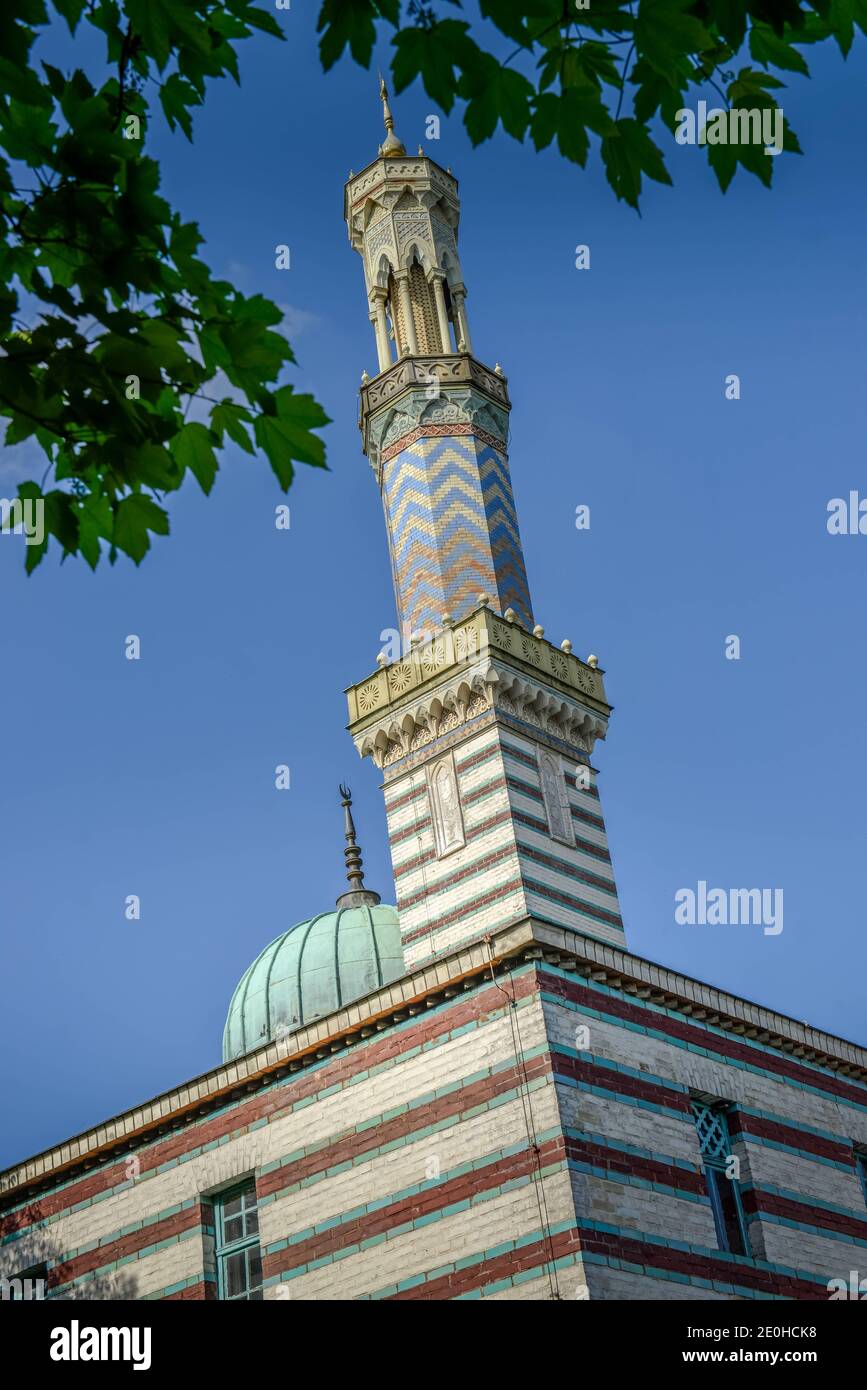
x: 453, y: 531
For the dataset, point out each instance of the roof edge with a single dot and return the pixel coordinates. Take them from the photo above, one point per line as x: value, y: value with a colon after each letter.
x: 524, y: 941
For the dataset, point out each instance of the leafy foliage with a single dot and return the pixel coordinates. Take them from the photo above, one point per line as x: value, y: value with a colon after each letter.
x: 111, y: 324
x: 587, y: 71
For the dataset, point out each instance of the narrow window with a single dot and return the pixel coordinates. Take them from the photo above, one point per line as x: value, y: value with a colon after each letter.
x: 29, y: 1284
x: 724, y: 1191
x: 239, y: 1260
x: 861, y: 1169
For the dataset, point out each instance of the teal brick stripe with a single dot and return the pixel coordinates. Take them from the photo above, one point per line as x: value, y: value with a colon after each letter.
x: 274, y: 1088
x: 524, y: 789
x: 792, y: 1124
x: 479, y: 796
x: 750, y: 1139
x: 523, y: 1276
x: 522, y: 755
x: 631, y: 1150
x: 479, y: 1199
x: 405, y: 1140
x: 612, y: 1093
x: 477, y: 831
x: 475, y: 1165
x: 159, y: 1294
x: 705, y: 1251
x: 479, y: 1257
x: 834, y: 1207
x: 630, y: 1180
x: 772, y: 1219
x: 607, y: 1064
x: 599, y: 854
x: 577, y: 906
x: 151, y: 1219
x: 568, y: 868
x: 479, y: 757
x: 707, y: 1029
x: 192, y: 1233
x: 673, y: 1277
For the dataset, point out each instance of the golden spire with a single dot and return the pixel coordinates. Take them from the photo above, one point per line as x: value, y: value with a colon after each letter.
x: 391, y: 147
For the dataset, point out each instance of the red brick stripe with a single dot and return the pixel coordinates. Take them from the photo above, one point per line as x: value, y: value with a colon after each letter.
x: 690, y: 1032
x: 579, y: 1240
x: 118, y: 1249
x: 444, y: 1194
x: 237, y: 1117
x: 791, y: 1135
x: 592, y: 1074
x: 756, y: 1201
x: 635, y: 1166
x: 640, y: 1252
x: 484, y: 900
x: 353, y: 1144
x: 490, y: 1271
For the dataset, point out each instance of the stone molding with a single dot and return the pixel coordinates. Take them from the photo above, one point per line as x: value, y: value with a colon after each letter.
x: 407, y: 726
x: 404, y: 380
x: 464, y: 653
x: 440, y: 431
x: 465, y: 968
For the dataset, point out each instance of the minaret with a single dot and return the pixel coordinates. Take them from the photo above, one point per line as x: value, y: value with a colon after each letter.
x: 434, y: 420
x: 483, y: 729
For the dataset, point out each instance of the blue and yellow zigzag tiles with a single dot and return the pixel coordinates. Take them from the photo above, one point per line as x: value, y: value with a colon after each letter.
x: 453, y: 530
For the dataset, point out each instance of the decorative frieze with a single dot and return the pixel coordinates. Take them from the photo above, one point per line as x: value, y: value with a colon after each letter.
x: 416, y: 385
x: 471, y: 646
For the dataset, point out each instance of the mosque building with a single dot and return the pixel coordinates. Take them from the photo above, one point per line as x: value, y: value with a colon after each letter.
x: 479, y: 1092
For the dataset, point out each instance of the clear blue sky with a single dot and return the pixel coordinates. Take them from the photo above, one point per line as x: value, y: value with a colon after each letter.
x: 707, y: 518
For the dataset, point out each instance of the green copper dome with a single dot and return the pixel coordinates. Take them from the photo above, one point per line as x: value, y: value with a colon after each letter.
x: 311, y: 970
x: 320, y: 965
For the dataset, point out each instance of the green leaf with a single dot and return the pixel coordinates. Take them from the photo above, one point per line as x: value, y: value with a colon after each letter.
x: 432, y: 54
x: 154, y: 22
x: 176, y: 97
x: 495, y: 93
x: 71, y: 10
x: 135, y: 517
x: 665, y: 31
x: 767, y: 48
x: 286, y: 436
x: 95, y: 524
x: 346, y: 22
x: 628, y: 153
x: 227, y: 418
x: 658, y: 93
x: 193, y: 448
x: 591, y: 63
x: 261, y: 19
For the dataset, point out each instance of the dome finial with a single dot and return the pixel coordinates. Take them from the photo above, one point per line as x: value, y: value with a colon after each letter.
x: 358, y: 895
x: 391, y: 146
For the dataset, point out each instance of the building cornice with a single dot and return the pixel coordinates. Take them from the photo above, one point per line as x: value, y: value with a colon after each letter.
x: 526, y: 941
x: 467, y: 653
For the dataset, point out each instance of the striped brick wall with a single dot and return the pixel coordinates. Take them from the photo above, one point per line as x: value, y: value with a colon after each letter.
x: 472, y: 890
x: 624, y: 1088
x: 569, y: 886
x: 510, y: 867
x: 526, y: 1135
x: 428, y: 1161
